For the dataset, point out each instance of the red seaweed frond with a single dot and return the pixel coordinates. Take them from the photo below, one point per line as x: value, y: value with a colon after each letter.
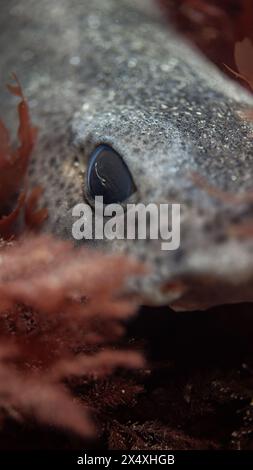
x: 13, y: 162
x: 60, y: 306
x: 244, y: 230
x: 26, y: 132
x: 27, y: 397
x: 244, y: 61
x: 224, y: 196
x: 214, y: 26
x: 35, y: 217
x: 13, y: 168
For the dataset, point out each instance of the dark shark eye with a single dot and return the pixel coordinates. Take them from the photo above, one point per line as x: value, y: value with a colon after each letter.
x: 109, y: 176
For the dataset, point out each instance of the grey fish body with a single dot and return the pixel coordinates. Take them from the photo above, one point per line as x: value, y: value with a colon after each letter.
x: 107, y: 71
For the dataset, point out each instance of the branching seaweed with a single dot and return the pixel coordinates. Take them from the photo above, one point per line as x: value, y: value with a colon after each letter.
x: 61, y: 308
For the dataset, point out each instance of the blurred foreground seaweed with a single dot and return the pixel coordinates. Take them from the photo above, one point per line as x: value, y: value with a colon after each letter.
x: 214, y: 26
x: 61, y: 308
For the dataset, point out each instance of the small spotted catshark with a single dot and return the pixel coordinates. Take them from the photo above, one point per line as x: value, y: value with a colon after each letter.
x: 111, y: 72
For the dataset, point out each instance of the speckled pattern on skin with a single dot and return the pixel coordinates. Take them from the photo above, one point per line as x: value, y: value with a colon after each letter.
x: 110, y: 71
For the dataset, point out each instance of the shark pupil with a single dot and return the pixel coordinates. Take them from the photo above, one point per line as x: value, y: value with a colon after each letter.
x: 109, y: 176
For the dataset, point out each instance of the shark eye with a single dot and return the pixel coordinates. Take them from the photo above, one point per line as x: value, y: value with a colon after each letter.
x: 109, y: 176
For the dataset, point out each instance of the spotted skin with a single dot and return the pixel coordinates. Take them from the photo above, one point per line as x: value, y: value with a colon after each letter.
x: 111, y: 71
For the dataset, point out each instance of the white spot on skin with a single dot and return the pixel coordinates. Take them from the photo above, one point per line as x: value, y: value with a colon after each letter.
x: 165, y: 67
x: 132, y: 63
x: 93, y: 21
x: 33, y: 103
x: 27, y: 55
x: 86, y: 107
x: 75, y: 61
